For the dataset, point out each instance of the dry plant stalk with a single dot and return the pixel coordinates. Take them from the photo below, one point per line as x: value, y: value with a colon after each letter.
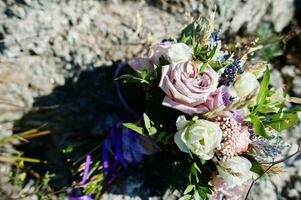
x: 275, y: 169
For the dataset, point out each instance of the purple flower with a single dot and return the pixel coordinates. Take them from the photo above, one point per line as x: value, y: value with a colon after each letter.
x: 238, y: 115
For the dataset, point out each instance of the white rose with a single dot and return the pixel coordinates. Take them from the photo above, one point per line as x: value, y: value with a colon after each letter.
x: 199, y: 136
x: 178, y: 52
x: 235, y: 171
x: 246, y: 84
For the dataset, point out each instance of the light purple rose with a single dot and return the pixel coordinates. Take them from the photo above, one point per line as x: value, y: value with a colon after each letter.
x: 189, y: 90
x: 171, y: 52
x: 158, y: 50
x: 140, y: 63
x: 155, y: 52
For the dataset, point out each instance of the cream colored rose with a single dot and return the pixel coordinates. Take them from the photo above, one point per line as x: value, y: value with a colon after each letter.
x: 179, y: 52
x: 198, y: 136
x: 235, y: 171
x: 246, y: 84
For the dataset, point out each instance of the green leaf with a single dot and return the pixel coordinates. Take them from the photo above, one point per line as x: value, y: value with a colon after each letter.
x: 185, y: 197
x: 258, y: 126
x: 212, y: 52
x: 152, y: 131
x: 203, y: 161
x: 189, y: 188
x: 203, y: 191
x: 68, y: 149
x: 143, y: 73
x: 154, y: 74
x: 269, y: 108
x: 147, y: 122
x: 264, y: 87
x: 203, y: 67
x: 256, y: 166
x: 134, y: 127
x: 282, y: 121
x: 295, y: 109
x: 148, y: 125
x: 194, y: 170
x: 129, y: 78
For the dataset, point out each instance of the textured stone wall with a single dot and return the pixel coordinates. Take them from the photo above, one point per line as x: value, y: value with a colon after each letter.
x: 43, y: 43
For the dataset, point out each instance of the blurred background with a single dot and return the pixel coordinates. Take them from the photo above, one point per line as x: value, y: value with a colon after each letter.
x: 57, y: 63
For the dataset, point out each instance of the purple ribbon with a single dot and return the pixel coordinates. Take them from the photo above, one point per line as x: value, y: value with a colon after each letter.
x: 126, y: 147
x: 86, y: 170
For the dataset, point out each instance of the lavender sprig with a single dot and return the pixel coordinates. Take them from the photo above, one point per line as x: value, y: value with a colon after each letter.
x: 230, y: 73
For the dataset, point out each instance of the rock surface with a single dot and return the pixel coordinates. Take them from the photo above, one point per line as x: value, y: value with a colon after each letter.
x: 48, y: 47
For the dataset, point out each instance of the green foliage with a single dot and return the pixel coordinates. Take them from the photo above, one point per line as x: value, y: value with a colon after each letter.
x: 134, y: 127
x: 194, y: 32
x: 149, y: 125
x: 258, y: 126
x: 96, y: 180
x: 270, y: 41
x: 282, y: 121
x: 256, y: 166
x: 197, y: 188
x: 141, y: 77
x: 264, y: 88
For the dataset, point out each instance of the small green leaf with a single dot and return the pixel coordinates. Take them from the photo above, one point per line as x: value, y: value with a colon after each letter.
x: 203, y: 67
x: 185, y: 197
x: 256, y: 166
x: 264, y: 87
x: 189, y: 188
x: 143, y: 73
x: 282, y: 121
x: 269, y: 108
x: 203, y: 191
x: 134, y: 127
x: 68, y: 149
x: 128, y: 78
x: 152, y: 131
x: 125, y: 76
x: 197, y: 168
x: 147, y: 122
x: 194, y: 170
x: 212, y: 52
x: 258, y: 126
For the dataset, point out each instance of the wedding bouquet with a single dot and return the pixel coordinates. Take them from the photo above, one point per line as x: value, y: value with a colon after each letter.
x: 216, y: 115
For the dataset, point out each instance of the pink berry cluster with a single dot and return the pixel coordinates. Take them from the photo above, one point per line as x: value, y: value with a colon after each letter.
x: 231, y: 130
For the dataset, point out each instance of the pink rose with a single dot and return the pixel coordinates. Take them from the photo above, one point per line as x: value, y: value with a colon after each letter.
x: 243, y: 140
x: 189, y: 90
